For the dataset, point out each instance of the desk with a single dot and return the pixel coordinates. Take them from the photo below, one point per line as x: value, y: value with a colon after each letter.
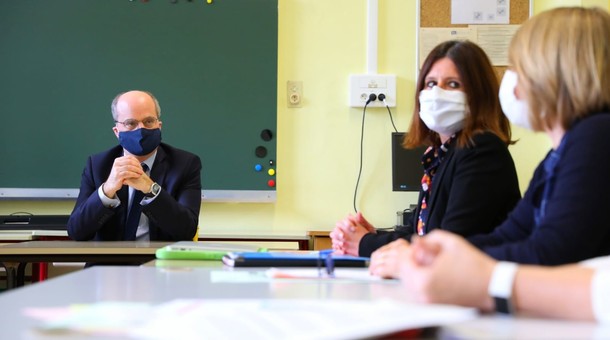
x: 320, y: 239
x: 301, y: 238
x: 162, y: 284
x: 14, y: 256
x: 31, y: 235
x: 39, y: 270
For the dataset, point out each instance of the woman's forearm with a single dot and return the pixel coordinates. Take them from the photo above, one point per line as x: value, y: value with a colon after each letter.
x: 556, y: 292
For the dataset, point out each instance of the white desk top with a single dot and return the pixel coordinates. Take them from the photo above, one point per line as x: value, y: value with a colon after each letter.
x: 168, y: 282
x: 162, y: 284
x: 253, y: 234
x: 73, y: 251
x: 24, y: 235
x: 16, y: 235
x: 29, y: 235
x: 68, y: 247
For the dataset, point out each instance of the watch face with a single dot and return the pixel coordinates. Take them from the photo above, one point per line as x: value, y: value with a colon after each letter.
x: 155, y: 189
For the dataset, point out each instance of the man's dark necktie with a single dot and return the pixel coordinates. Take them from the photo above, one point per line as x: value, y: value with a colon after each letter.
x: 133, y: 218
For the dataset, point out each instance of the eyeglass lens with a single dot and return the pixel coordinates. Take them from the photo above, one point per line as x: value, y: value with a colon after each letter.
x: 133, y: 123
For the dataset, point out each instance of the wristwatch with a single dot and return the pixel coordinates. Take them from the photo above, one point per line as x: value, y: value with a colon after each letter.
x: 155, y: 189
x: 501, y: 286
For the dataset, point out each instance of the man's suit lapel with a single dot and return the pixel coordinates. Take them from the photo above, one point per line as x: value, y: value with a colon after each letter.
x: 159, y: 169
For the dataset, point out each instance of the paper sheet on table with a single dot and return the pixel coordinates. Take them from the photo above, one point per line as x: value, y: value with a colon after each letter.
x: 292, y: 274
x: 261, y: 319
x: 340, y: 274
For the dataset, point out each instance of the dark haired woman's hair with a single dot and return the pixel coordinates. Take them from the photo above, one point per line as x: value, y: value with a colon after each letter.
x: 481, y: 86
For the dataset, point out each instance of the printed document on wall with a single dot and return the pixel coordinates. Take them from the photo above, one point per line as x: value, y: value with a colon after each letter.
x: 480, y: 11
x: 494, y: 40
x: 429, y: 37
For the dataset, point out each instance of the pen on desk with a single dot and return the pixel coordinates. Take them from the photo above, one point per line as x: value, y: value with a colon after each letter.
x: 329, y: 264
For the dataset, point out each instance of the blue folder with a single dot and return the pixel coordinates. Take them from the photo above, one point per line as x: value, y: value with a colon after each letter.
x: 290, y: 259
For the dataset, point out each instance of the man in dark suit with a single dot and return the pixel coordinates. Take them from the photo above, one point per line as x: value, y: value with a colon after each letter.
x: 142, y: 189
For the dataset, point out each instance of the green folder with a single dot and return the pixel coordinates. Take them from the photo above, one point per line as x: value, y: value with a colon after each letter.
x: 202, y: 250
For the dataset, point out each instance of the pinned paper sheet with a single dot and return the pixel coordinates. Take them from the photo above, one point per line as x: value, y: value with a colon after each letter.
x: 480, y: 11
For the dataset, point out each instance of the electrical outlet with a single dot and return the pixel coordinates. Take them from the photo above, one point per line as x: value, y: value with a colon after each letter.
x: 362, y: 85
x: 294, y: 93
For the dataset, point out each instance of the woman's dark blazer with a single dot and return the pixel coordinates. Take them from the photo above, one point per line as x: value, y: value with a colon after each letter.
x: 473, y: 191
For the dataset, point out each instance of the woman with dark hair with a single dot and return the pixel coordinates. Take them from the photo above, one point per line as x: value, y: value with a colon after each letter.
x: 469, y: 183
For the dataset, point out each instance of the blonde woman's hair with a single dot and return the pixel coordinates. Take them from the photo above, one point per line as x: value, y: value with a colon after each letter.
x: 562, y: 57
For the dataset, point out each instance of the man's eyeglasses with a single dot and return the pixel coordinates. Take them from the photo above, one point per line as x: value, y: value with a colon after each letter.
x: 326, y: 264
x: 131, y: 124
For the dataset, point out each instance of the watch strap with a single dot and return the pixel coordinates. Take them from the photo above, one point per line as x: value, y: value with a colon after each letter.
x: 501, y: 286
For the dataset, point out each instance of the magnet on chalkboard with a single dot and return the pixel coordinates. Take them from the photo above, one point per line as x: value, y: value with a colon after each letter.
x: 271, y: 162
x: 261, y: 151
x: 266, y: 135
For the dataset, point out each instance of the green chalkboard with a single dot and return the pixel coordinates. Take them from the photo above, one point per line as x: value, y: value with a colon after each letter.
x: 213, y: 68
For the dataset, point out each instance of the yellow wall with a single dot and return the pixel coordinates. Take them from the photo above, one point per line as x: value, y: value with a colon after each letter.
x: 320, y: 44
x: 541, y: 5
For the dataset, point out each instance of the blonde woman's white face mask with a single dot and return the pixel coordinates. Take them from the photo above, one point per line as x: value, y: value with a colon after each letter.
x: 515, y: 110
x: 443, y: 111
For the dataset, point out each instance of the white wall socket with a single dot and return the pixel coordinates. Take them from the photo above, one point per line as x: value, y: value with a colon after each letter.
x: 294, y: 93
x: 362, y: 85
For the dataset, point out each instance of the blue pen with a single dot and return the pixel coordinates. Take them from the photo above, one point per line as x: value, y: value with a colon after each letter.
x: 328, y: 260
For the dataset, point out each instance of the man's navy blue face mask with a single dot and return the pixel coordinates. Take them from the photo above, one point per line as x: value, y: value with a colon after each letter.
x: 140, y: 142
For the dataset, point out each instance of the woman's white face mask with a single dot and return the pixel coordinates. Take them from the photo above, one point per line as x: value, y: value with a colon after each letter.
x: 443, y: 111
x: 514, y: 109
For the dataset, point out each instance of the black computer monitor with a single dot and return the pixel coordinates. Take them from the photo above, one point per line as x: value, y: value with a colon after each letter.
x: 407, y: 170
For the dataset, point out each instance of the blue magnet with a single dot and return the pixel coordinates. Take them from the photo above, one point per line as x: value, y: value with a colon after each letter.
x: 258, y: 167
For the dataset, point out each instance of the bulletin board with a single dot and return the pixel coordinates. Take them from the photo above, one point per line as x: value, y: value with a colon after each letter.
x: 437, y: 13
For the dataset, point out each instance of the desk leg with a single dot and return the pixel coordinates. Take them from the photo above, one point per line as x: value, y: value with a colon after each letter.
x: 304, y: 245
x: 20, y: 279
x: 40, y: 271
x: 11, y: 273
